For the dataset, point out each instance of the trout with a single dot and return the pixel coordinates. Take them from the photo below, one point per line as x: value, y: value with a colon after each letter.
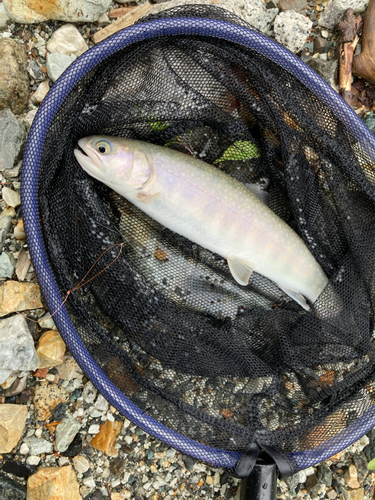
x: 209, y: 207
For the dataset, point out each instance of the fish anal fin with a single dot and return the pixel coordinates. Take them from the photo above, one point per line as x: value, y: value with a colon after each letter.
x: 147, y: 198
x: 298, y: 297
x: 241, y: 269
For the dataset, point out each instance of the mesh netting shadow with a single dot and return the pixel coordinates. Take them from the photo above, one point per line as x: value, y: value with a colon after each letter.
x: 165, y: 333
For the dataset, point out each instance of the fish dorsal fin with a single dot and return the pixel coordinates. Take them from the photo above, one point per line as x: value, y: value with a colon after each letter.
x: 257, y: 191
x: 298, y: 297
x: 241, y: 269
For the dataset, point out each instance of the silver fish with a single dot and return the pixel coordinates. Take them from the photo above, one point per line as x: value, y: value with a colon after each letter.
x: 207, y: 206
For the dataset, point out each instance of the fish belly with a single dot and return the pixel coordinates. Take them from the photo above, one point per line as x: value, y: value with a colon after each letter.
x: 217, y: 212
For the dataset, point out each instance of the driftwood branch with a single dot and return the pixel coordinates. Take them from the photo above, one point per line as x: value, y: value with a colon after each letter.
x: 364, y: 63
x: 348, y: 39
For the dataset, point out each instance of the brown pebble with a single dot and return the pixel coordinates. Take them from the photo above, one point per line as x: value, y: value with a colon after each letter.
x: 106, y: 437
x: 41, y: 372
x: 351, y: 477
x: 114, y: 13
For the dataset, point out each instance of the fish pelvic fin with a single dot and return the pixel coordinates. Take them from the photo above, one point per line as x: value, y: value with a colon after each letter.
x: 147, y: 198
x: 298, y: 297
x: 241, y: 269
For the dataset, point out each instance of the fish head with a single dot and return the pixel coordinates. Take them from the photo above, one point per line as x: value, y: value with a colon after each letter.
x: 114, y: 162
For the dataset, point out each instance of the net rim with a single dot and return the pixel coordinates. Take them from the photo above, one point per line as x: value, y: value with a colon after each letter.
x: 49, y: 107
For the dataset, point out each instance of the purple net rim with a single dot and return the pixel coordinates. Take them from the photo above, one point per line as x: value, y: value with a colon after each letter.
x: 43, y: 119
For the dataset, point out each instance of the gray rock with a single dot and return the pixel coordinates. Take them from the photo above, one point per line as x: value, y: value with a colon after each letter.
x: 66, y: 432
x: 4, y: 18
x: 292, y: 29
x: 295, y: 5
x: 256, y: 14
x: 330, y: 16
x: 35, y: 71
x: 7, y: 265
x: 5, y: 223
x: 10, y: 489
x: 12, y: 172
x: 81, y: 11
x: 67, y: 40
x: 57, y: 64
x: 12, y: 138
x: 14, y: 80
x: 17, y: 351
x: 89, y: 393
x: 326, y: 69
x: 38, y: 446
x: 17, y: 387
x: 370, y: 122
x: 324, y: 474
x: 356, y: 5
x: 101, y: 403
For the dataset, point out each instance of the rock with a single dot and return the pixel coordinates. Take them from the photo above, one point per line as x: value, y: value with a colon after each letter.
x: 14, y: 80
x: 81, y: 464
x: 370, y: 122
x: 33, y: 460
x: 41, y: 92
x: 69, y: 368
x: 12, y: 138
x: 311, y: 481
x: 13, y: 172
x: 89, y: 393
x: 66, y: 432
x: 57, y: 64
x: 46, y: 321
x: 51, y: 349
x: 351, y: 477
x: 59, y: 412
x: 20, y: 470
x: 103, y: 20
x: 12, y: 423
x: 81, y: 11
x: 295, y: 5
x: 19, y: 231
x: 101, y: 403
x: 292, y: 29
x: 117, y: 466
x: 330, y: 16
x: 16, y: 388
x: 17, y: 352
x: 319, y: 45
x: 16, y: 296
x: 358, y: 494
x: 35, y: 71
x: 7, y: 265
x: 53, y: 483
x: 5, y: 223
x: 324, y: 474
x: 27, y: 120
x: 4, y: 18
x: 105, y: 439
x: 10, y: 489
x: 360, y: 462
x: 38, y: 446
x: 9, y: 381
x: 326, y: 69
x: 317, y: 491
x: 74, y: 448
x: 24, y: 449
x: 47, y: 396
x: 257, y: 15
x: 11, y: 198
x: 332, y: 495
x: 67, y: 40
x: 25, y: 396
x: 356, y: 5
x: 23, y: 264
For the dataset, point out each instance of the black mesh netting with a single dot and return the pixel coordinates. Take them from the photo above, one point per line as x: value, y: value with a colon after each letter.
x: 219, y: 363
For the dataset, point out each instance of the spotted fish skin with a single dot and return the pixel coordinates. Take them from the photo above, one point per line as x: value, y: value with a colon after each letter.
x: 208, y: 207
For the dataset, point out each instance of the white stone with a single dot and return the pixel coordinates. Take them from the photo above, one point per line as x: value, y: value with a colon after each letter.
x: 7, y: 265
x: 292, y: 29
x: 67, y: 40
x: 255, y: 13
x: 80, y: 11
x: 47, y: 322
x: 4, y: 18
x: 57, y: 64
x: 41, y: 91
x: 94, y: 413
x: 103, y: 20
x: 63, y: 461
x: 324, y: 33
x: 101, y: 403
x: 33, y: 460
x: 89, y: 393
x: 38, y: 446
x: 11, y: 198
x: 39, y: 432
x: 89, y: 481
x: 24, y: 449
x: 28, y: 119
x: 17, y: 351
x: 356, y: 5
x: 65, y: 432
x: 93, y: 429
x: 81, y: 464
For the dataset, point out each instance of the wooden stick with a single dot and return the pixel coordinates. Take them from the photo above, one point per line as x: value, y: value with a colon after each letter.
x: 364, y: 63
x: 348, y: 40
x: 122, y: 22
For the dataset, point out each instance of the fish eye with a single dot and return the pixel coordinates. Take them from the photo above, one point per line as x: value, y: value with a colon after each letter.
x: 103, y: 147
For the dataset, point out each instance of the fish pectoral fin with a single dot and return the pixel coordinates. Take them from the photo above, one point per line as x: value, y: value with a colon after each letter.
x: 298, y: 297
x: 241, y: 269
x: 147, y: 198
x: 257, y: 191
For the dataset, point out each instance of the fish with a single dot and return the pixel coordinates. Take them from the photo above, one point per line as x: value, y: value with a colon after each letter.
x: 209, y: 207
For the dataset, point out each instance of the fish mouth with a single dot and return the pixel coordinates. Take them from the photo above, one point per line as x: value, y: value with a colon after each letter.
x: 89, y: 159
